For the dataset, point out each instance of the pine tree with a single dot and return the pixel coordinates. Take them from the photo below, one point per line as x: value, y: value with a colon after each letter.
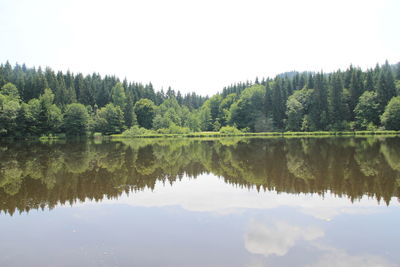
x: 355, y: 89
x: 335, y: 99
x: 398, y: 71
x: 84, y: 90
x: 310, y: 81
x: 278, y: 104
x: 386, y: 88
x: 118, y: 96
x: 319, y: 108
x: 129, y: 114
x: 39, y: 84
x: 369, y: 81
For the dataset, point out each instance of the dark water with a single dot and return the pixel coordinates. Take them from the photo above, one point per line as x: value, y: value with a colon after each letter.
x: 228, y: 202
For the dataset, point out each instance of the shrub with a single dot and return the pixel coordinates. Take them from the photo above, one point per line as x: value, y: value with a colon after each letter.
x: 174, y: 129
x: 137, y: 131
x: 229, y: 130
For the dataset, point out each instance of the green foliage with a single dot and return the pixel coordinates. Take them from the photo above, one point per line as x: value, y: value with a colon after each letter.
x: 294, y: 113
x: 247, y: 111
x: 230, y: 130
x: 318, y: 112
x: 205, y: 118
x: 225, y: 106
x: 297, y: 105
x: 9, y: 109
x: 75, y: 119
x: 214, y: 104
x: 305, y: 124
x: 118, y: 96
x: 391, y: 117
x: 145, y: 112
x: 193, y: 122
x: 386, y: 88
x: 30, y: 117
x: 367, y: 110
x: 168, y: 113
x: 135, y: 131
x: 336, y: 101
x: 31, y: 101
x: 109, y: 120
x: 397, y: 83
x: 129, y: 113
x: 174, y: 129
x: 278, y: 102
x: 397, y: 71
x: 50, y: 116
x: 10, y: 90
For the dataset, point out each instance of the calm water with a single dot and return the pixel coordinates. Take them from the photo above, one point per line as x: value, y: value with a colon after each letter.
x: 228, y: 202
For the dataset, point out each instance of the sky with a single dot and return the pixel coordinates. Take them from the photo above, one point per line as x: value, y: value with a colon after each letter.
x: 198, y: 46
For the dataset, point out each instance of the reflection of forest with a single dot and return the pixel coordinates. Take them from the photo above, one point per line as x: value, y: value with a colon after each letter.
x: 37, y: 175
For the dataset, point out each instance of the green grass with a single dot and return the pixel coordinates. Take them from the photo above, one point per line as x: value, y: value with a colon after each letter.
x: 154, y: 134
x: 267, y: 134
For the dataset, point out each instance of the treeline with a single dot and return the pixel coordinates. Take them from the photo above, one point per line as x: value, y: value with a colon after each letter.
x: 35, y: 102
x: 43, y: 175
x: 344, y: 100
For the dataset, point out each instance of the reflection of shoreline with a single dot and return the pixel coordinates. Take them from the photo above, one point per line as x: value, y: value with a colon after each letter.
x: 210, y: 194
x: 45, y: 175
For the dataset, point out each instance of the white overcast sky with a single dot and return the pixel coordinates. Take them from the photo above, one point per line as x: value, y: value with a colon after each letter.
x: 202, y: 45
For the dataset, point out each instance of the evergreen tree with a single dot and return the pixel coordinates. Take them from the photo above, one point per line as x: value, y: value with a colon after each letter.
x: 355, y: 89
x: 84, y: 90
x: 335, y: 101
x: 398, y: 71
x: 278, y: 103
x: 319, y: 108
x: 129, y: 113
x: 118, y: 96
x: 50, y: 117
x: 386, y: 88
x: 369, y: 81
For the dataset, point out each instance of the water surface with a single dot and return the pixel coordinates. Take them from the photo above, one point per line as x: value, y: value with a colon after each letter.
x: 223, y: 202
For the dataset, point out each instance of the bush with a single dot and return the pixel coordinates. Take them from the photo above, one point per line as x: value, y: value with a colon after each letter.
x: 137, y: 131
x: 174, y: 129
x: 97, y: 135
x: 229, y: 130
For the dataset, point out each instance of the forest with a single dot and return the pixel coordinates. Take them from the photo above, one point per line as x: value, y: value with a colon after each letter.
x: 36, y: 102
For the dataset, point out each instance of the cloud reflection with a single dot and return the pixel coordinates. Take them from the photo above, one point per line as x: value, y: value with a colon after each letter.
x: 333, y: 257
x: 209, y: 193
x: 277, y: 238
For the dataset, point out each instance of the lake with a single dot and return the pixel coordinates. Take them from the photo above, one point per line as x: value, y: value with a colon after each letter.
x: 192, y: 202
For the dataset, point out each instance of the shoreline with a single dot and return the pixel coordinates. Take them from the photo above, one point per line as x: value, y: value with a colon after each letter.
x: 263, y: 134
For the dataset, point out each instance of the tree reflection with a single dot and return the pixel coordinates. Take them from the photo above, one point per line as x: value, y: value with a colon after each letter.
x: 38, y: 175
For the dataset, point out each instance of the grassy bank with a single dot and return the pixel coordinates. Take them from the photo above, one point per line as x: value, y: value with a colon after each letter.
x: 153, y: 134
x: 267, y: 134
